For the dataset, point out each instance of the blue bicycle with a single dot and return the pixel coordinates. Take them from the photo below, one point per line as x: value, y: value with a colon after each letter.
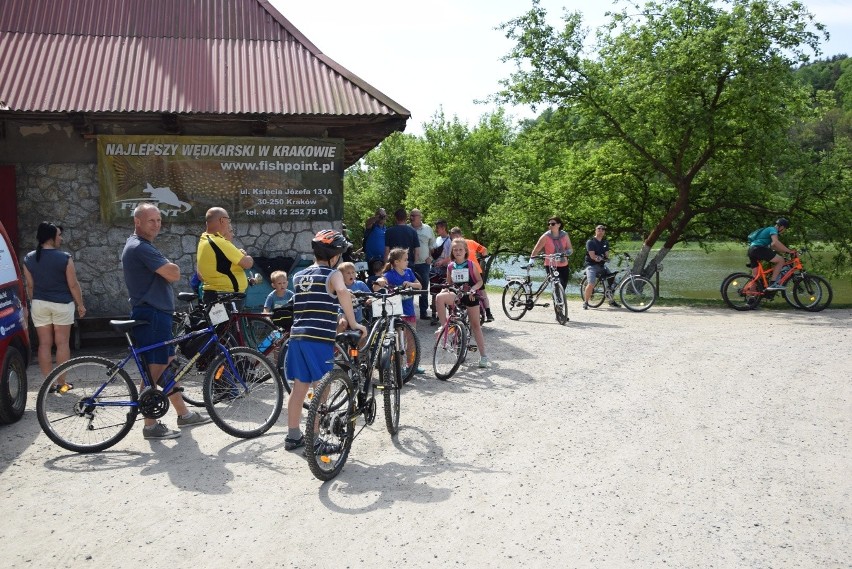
x: 89, y: 403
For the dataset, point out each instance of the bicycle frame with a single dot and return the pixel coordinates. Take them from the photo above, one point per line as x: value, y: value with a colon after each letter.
x: 168, y: 387
x: 551, y: 277
x: 764, y: 271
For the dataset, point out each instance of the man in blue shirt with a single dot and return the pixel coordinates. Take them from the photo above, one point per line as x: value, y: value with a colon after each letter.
x: 374, y: 236
x: 148, y: 276
x: 762, y: 246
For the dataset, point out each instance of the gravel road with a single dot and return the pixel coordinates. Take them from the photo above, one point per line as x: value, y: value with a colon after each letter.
x: 680, y: 437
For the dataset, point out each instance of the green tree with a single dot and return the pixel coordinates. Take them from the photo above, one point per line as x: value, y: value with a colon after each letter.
x: 693, y: 98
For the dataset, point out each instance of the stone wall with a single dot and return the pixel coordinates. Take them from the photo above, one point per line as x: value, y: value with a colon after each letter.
x: 68, y: 195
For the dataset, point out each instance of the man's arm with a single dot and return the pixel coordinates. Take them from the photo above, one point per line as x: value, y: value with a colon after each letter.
x: 778, y: 246
x: 169, y: 271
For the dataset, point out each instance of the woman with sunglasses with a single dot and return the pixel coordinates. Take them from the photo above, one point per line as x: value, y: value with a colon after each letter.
x: 554, y: 241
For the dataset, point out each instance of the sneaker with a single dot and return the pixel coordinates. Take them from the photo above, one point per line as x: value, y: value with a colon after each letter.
x: 61, y: 389
x: 195, y: 419
x: 775, y: 286
x: 614, y: 304
x: 488, y: 316
x: 159, y: 431
x: 293, y: 444
x: 419, y: 371
x: 433, y: 321
x: 483, y: 361
x: 585, y: 306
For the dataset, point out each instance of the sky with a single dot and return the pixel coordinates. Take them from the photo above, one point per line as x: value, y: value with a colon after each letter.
x: 444, y: 55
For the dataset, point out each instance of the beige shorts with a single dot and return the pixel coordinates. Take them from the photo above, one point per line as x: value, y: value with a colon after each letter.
x: 45, y: 313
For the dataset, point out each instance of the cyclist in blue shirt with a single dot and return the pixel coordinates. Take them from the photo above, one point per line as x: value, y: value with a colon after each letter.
x: 763, y: 244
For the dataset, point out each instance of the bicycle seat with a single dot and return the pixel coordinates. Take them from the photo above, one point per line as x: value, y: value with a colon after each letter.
x: 525, y: 267
x: 349, y: 337
x: 187, y: 296
x: 126, y: 325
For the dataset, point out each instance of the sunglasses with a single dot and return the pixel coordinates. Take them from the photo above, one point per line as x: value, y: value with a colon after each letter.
x: 553, y: 223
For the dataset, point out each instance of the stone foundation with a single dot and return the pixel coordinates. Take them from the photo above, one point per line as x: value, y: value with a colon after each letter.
x: 68, y: 195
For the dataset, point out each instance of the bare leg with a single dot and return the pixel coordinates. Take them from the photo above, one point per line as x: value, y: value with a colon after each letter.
x: 476, y: 328
x: 45, y: 349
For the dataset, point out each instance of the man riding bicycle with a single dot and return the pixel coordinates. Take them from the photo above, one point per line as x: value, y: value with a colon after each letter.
x: 597, y: 254
x: 762, y: 246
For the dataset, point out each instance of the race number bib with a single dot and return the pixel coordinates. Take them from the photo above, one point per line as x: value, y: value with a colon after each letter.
x: 218, y: 314
x: 460, y: 276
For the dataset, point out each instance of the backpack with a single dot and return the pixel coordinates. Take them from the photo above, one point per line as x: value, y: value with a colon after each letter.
x: 754, y: 234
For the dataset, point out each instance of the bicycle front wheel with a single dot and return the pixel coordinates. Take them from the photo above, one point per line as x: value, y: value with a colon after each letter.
x: 598, y: 293
x: 739, y: 292
x: 330, y: 425
x: 637, y: 293
x: 408, y: 346
x: 391, y: 384
x: 813, y: 293
x: 515, y: 296
x: 559, y: 303
x: 450, y: 349
x: 80, y: 421
x: 244, y: 401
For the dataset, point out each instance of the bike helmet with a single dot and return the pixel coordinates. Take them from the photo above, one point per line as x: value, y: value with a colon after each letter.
x: 783, y: 222
x: 329, y: 243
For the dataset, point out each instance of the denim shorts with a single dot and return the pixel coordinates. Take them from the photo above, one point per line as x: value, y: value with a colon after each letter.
x: 159, y: 329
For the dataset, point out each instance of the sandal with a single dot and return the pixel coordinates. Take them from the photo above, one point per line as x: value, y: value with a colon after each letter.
x: 293, y: 444
x: 60, y: 389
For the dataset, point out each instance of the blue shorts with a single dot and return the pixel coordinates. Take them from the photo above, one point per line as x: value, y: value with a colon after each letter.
x: 594, y: 272
x: 159, y: 329
x: 309, y: 360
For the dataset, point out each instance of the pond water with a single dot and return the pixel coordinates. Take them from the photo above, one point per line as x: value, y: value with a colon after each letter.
x: 686, y: 274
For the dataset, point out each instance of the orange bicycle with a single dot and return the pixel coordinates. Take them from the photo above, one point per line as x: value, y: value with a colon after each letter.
x: 742, y: 291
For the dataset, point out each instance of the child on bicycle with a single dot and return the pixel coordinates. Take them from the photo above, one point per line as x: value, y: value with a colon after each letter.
x: 397, y: 274
x: 319, y: 290
x: 462, y: 274
x: 279, y: 303
x: 347, y: 269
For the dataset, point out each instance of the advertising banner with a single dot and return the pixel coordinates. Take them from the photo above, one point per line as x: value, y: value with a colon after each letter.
x: 255, y: 179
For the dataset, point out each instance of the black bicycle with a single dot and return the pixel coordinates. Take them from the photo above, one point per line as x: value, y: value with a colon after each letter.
x: 348, y: 390
x: 637, y: 293
x: 518, y: 295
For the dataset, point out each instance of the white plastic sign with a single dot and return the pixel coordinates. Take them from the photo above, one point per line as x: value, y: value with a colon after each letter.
x: 393, y: 305
x: 218, y: 314
x: 362, y: 266
x: 460, y: 275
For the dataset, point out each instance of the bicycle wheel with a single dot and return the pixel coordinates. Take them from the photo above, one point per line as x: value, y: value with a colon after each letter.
x: 598, y: 293
x: 813, y: 293
x: 77, y: 420
x: 406, y: 337
x: 330, y: 425
x: 739, y: 292
x: 560, y: 306
x: 247, y: 404
x: 450, y: 348
x: 515, y: 295
x: 637, y: 293
x: 391, y: 385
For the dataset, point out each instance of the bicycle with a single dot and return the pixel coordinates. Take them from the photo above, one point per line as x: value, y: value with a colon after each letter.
x: 249, y: 329
x: 242, y: 391
x: 518, y: 295
x: 637, y: 293
x: 743, y: 291
x: 347, y: 391
x: 453, y: 340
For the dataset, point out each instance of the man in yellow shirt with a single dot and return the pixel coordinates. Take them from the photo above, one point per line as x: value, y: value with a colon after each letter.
x: 220, y: 264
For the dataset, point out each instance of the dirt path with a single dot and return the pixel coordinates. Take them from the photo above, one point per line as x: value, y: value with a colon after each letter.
x: 662, y: 439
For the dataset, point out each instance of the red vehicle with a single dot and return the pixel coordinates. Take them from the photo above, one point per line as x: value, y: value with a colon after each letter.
x: 14, y: 334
